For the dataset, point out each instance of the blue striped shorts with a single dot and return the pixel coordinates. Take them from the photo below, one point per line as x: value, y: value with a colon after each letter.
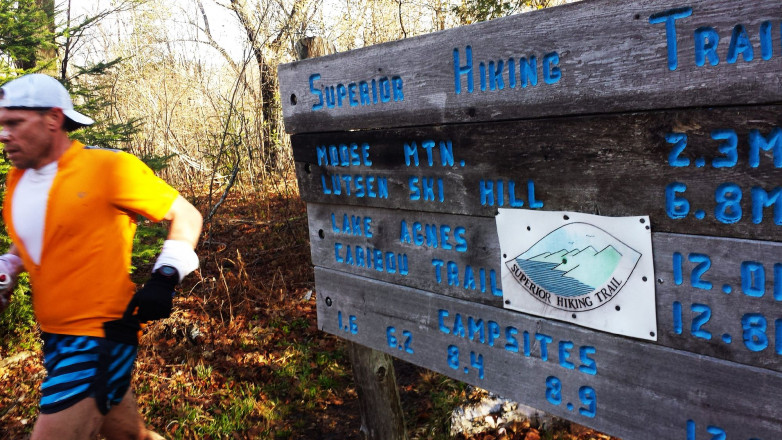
x: 78, y: 367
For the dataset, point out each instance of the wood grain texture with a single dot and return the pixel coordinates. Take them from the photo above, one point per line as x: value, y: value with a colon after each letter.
x: 615, y: 165
x: 642, y: 391
x: 611, y: 59
x: 708, y: 264
x: 382, y: 417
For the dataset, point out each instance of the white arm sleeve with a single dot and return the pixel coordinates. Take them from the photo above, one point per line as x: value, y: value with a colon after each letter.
x: 178, y: 255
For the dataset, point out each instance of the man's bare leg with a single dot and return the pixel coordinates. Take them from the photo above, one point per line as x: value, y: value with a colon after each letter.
x: 83, y: 421
x: 124, y: 422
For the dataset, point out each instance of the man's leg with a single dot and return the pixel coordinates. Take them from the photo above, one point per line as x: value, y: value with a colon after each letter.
x: 124, y: 422
x: 81, y: 421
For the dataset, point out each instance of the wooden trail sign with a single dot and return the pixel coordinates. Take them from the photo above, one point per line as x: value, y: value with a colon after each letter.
x: 588, y: 57
x: 663, y: 112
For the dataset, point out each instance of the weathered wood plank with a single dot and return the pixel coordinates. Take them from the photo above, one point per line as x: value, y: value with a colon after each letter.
x: 622, y: 387
x: 617, y: 165
x: 374, y: 249
x: 706, y: 319
x: 720, y: 297
x: 590, y: 57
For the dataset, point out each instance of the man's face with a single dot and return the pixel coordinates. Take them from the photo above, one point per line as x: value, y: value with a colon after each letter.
x: 28, y: 142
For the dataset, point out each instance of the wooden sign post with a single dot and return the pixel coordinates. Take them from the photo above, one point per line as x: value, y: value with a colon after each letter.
x: 659, y: 109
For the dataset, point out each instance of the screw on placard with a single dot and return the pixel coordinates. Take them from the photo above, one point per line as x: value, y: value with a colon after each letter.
x: 328, y: 301
x: 294, y: 100
x: 321, y: 234
x: 380, y: 374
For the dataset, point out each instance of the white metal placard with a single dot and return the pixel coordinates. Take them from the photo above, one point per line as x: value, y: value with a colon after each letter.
x: 589, y: 270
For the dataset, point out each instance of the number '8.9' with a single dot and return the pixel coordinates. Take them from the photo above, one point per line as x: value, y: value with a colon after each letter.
x: 586, y: 394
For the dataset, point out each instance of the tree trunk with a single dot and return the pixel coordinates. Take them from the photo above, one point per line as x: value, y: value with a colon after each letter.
x: 47, y: 54
x: 378, y: 396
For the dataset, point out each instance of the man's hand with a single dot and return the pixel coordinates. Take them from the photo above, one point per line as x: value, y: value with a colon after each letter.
x: 155, y: 299
x: 10, y: 266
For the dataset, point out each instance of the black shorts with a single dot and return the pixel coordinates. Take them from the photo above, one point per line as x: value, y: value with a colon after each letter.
x: 78, y: 367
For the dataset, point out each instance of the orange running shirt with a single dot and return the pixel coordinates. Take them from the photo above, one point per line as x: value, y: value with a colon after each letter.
x: 83, y: 279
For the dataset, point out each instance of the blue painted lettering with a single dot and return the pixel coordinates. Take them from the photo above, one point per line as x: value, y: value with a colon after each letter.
x: 331, y: 97
x: 352, y: 94
x: 352, y: 225
x: 753, y: 279
x: 363, y: 89
x: 469, y: 278
x: 385, y: 89
x: 343, y: 155
x: 441, y: 315
x: 476, y: 327
x: 739, y: 44
x: 315, y: 91
x: 588, y: 365
x: 544, y: 341
x: 445, y: 152
x: 564, y: 354
x: 492, y: 74
x: 758, y: 142
x: 528, y: 71
x: 762, y: 199
x: 493, y: 332
x: 706, y: 41
x: 443, y: 239
x: 551, y: 73
x: 511, y: 344
x: 495, y: 75
x: 766, y: 45
x: 356, y: 94
x: 452, y: 274
x: 399, y: 94
x: 431, y: 189
x: 493, y: 192
x: 357, y: 185
x: 482, y: 70
x: 342, y: 92
x: 371, y: 258
x: 458, y: 326
x: 460, y: 70
x: 669, y: 17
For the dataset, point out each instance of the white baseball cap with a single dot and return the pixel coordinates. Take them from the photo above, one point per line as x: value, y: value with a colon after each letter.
x: 36, y: 91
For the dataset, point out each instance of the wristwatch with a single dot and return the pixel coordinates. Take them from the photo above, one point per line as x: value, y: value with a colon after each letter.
x: 171, y: 276
x: 167, y: 271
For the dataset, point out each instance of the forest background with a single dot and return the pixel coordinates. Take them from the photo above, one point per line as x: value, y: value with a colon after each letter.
x: 190, y: 86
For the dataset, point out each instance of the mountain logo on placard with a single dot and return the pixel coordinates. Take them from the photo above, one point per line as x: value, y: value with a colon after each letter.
x: 576, y: 267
